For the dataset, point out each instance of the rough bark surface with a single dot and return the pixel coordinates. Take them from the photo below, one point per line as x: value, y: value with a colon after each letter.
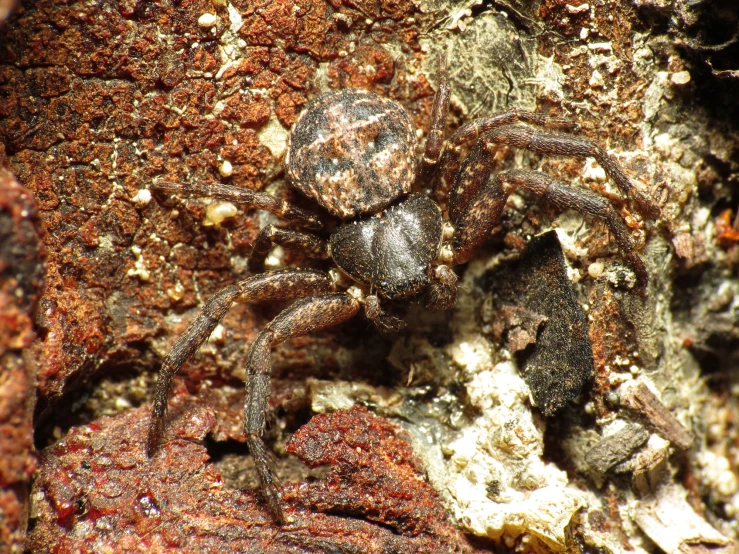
x: 100, y: 99
x: 21, y: 285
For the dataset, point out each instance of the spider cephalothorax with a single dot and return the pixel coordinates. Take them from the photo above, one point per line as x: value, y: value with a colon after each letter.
x: 353, y: 152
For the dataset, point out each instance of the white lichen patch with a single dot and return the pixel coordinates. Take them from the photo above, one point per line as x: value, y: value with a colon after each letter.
x: 142, y: 198
x: 680, y: 78
x: 582, y: 8
x: 494, y: 66
x: 549, y: 77
x: 226, y: 169
x: 106, y: 242
x: 498, y: 483
x: 176, y: 292
x: 595, y: 270
x: 207, y: 20
x: 717, y: 473
x: 329, y: 396
x: 472, y: 354
x: 218, y: 335
x: 569, y: 226
x: 673, y: 525
x: 663, y: 143
x: 139, y: 269
x: 596, y: 79
x: 231, y: 46
x: 274, y: 136
x: 592, y: 171
x: 275, y: 258
x: 234, y: 15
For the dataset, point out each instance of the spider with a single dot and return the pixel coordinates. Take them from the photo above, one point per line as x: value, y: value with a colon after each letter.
x: 354, y: 153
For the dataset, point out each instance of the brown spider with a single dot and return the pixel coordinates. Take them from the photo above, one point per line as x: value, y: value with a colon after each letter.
x: 354, y: 153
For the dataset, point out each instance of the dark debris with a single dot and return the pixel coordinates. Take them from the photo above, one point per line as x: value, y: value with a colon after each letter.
x: 561, y: 362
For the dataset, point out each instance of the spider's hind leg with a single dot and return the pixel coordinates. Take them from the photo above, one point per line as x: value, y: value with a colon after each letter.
x: 255, y: 200
x: 565, y: 145
x: 566, y: 197
x: 471, y: 132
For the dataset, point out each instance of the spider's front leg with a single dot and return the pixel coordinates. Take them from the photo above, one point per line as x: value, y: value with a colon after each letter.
x: 478, y: 205
x: 282, y: 284
x: 563, y: 145
x: 384, y: 321
x: 311, y: 245
x: 303, y: 317
x: 441, y: 294
x: 255, y: 200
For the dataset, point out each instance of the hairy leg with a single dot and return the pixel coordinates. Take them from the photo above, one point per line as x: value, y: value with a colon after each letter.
x: 274, y: 285
x: 561, y: 145
x: 304, y: 316
x: 472, y: 131
x: 484, y: 211
x: 384, y: 321
x: 311, y: 245
x: 255, y: 200
x: 441, y: 294
x: 435, y: 139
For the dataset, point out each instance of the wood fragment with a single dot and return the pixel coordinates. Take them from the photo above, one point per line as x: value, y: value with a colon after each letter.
x: 667, y: 519
x: 616, y: 448
x: 650, y: 469
x: 641, y: 401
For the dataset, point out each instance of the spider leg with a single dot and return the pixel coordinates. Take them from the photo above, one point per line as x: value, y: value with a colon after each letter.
x: 469, y: 133
x: 473, y: 177
x: 441, y: 294
x: 435, y: 139
x: 304, y: 316
x: 566, y: 197
x: 483, y: 213
x: 384, y: 321
x: 311, y: 245
x: 255, y: 200
x: 563, y: 145
x: 275, y: 285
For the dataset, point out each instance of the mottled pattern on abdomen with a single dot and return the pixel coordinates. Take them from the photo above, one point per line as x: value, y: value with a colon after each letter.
x: 353, y: 152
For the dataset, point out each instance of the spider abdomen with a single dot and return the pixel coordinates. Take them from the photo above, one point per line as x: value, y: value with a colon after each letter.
x: 353, y: 152
x: 391, y: 252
